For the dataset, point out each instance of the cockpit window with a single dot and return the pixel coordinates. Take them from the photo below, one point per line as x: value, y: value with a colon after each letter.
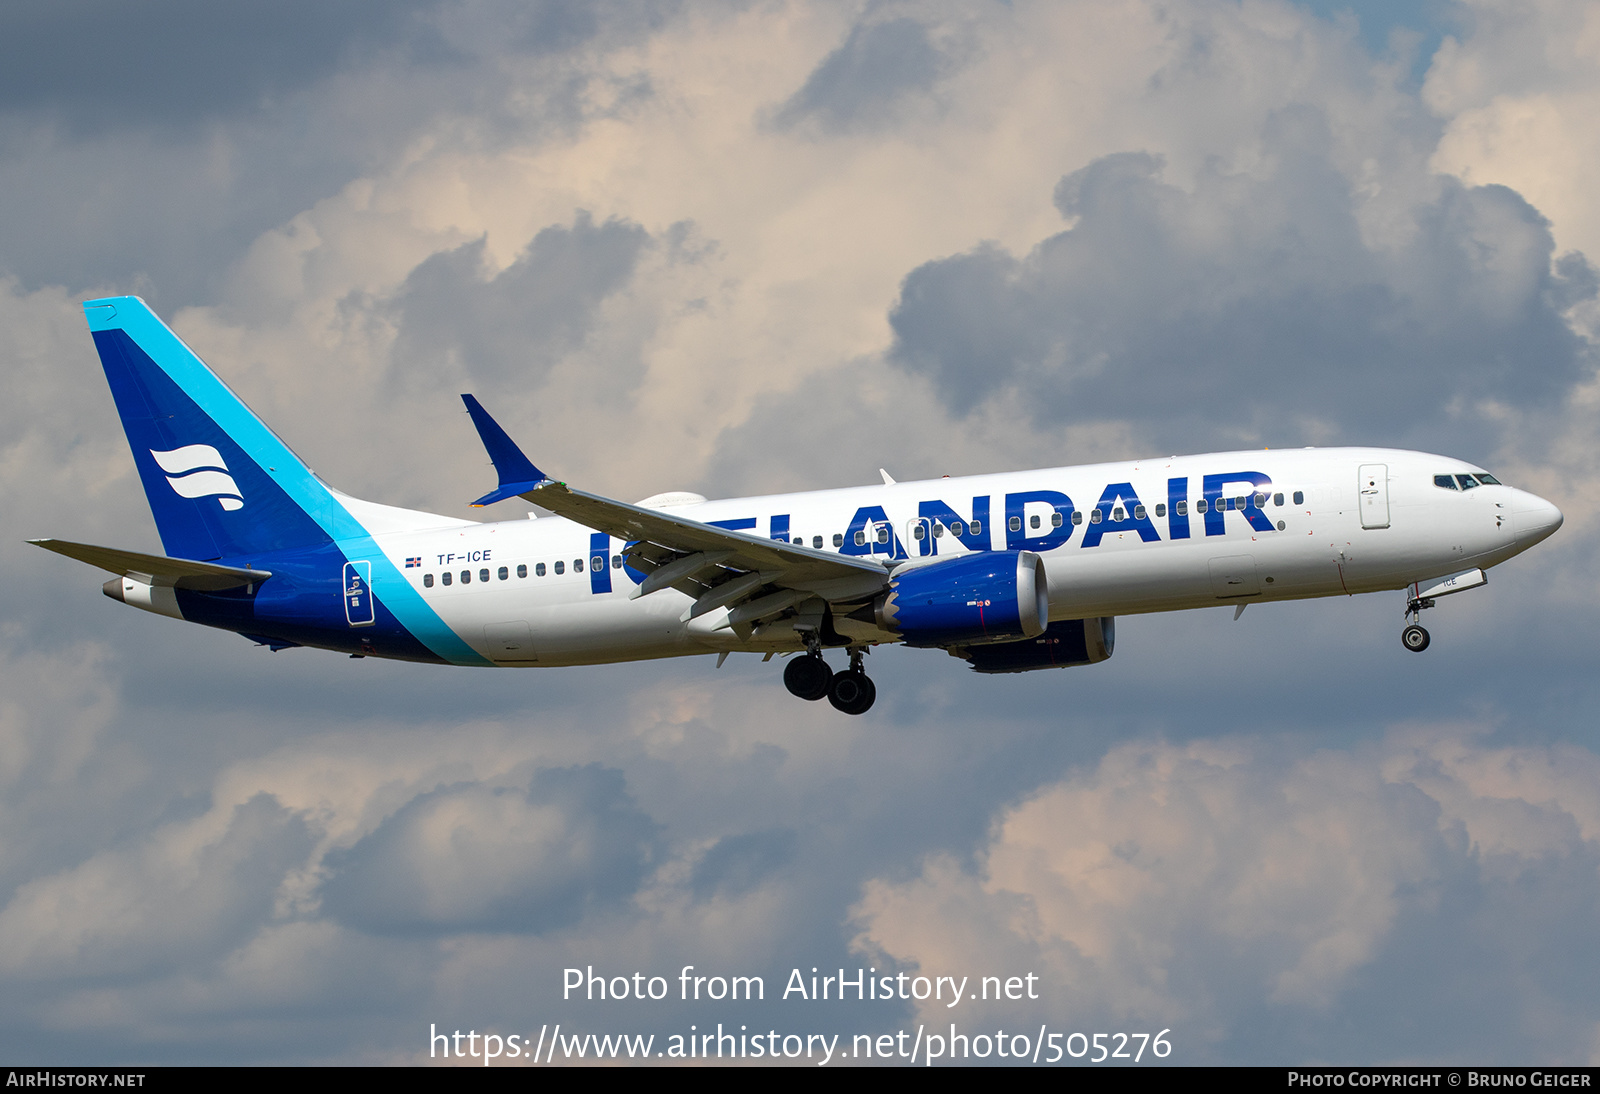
x: 1467, y: 482
x: 1448, y: 482
x: 1489, y: 480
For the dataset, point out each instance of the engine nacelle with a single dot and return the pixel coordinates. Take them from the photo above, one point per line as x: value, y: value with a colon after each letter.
x: 1070, y: 642
x: 990, y: 596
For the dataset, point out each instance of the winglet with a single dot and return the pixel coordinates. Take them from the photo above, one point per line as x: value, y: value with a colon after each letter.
x: 517, y: 473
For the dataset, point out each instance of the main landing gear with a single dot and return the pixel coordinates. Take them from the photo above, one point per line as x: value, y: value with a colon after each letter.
x: 1414, y: 637
x: 809, y: 677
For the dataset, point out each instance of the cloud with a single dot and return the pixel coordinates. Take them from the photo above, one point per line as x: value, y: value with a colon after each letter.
x: 1254, y: 306
x: 1192, y: 885
x: 858, y: 85
x: 184, y: 898
x: 737, y: 864
x: 477, y: 858
x: 1514, y: 97
x: 508, y: 328
x: 103, y: 65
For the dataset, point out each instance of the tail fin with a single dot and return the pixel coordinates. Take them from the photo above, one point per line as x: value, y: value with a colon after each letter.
x: 220, y: 483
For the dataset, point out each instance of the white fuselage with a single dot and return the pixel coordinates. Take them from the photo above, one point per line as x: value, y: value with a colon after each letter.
x: 1365, y: 520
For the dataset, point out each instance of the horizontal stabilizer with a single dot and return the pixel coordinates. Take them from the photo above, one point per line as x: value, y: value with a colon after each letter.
x: 179, y: 573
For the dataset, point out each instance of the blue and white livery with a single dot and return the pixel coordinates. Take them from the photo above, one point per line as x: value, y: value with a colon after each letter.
x: 1011, y: 572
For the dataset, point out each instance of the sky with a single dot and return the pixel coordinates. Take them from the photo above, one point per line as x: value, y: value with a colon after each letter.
x: 747, y: 248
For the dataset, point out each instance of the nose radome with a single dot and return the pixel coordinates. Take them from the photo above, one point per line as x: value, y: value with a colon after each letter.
x: 1535, y: 518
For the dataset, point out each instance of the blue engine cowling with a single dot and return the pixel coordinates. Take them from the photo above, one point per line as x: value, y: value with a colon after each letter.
x: 990, y: 596
x: 1067, y: 643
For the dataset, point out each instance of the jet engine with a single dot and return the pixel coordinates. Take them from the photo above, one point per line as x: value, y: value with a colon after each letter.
x: 990, y: 596
x: 1064, y: 644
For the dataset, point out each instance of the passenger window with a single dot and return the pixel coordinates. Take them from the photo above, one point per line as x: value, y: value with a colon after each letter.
x: 938, y: 531
x: 1077, y: 516
x: 1261, y: 501
x: 466, y: 577
x: 577, y: 565
x: 919, y: 533
x: 1201, y: 505
x: 445, y: 577
x: 799, y: 541
x: 883, y: 533
x: 1117, y: 514
x: 1015, y: 524
x: 1467, y: 482
x: 616, y: 562
x: 504, y: 573
x: 816, y: 542
x: 1138, y: 512
x: 1161, y: 509
x: 561, y: 568
x: 1299, y: 497
x: 1033, y: 521
x: 427, y: 581
x: 1094, y: 516
x: 838, y: 539
x: 1183, y: 508
x: 522, y: 569
x: 861, y: 539
x: 1055, y: 519
x: 538, y: 569
x: 1240, y: 503
x: 955, y: 527
x: 483, y: 575
x: 1277, y: 499
x: 598, y: 562
x: 975, y: 528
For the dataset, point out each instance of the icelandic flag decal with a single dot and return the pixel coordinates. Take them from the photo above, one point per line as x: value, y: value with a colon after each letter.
x: 411, y: 562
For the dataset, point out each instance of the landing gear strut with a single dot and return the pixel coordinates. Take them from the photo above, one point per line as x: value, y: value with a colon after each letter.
x: 852, y: 690
x: 1414, y: 637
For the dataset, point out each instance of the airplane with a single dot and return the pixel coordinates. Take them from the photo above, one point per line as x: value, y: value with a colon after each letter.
x: 1009, y: 572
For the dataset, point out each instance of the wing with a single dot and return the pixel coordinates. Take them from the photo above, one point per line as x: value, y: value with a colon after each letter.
x: 754, y: 578
x: 181, y: 573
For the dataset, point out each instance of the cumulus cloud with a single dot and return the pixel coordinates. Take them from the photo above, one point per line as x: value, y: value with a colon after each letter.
x: 1189, y: 886
x: 508, y: 328
x: 183, y: 899
x: 1514, y: 96
x: 477, y: 858
x: 1253, y: 306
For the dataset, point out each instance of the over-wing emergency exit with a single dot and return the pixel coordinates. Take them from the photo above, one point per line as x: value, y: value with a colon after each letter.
x: 1009, y: 572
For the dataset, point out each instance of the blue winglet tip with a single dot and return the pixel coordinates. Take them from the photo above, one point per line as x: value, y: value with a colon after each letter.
x: 516, y: 471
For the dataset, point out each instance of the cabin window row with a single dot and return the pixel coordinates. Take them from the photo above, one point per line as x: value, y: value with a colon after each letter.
x: 1119, y: 513
x: 485, y: 575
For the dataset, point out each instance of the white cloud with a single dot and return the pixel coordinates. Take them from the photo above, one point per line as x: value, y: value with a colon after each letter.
x: 1190, y: 885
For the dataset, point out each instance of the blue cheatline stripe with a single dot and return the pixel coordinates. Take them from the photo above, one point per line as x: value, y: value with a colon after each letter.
x: 216, y: 399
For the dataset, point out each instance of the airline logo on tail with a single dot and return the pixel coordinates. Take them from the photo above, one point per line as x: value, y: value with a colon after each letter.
x: 198, y: 471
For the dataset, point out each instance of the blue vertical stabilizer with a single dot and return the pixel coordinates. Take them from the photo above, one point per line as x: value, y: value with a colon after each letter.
x: 220, y: 483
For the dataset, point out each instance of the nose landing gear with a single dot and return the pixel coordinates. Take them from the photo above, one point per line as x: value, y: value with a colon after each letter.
x: 1414, y: 637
